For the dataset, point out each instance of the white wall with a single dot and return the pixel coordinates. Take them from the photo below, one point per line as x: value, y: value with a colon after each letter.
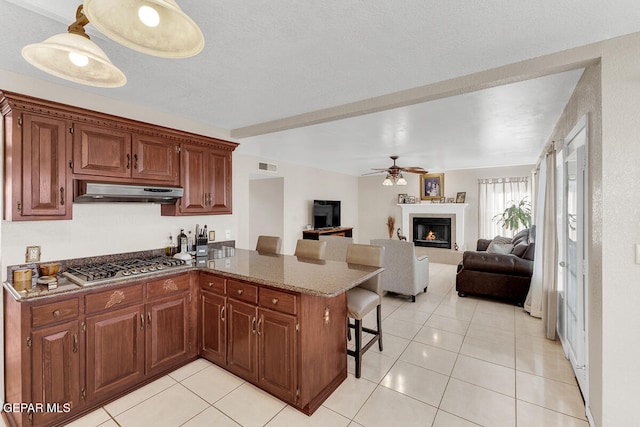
x: 376, y: 201
x: 266, y: 198
x: 620, y: 210
x: 301, y: 186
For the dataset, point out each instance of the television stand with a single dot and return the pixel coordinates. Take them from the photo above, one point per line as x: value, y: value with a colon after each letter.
x: 333, y: 231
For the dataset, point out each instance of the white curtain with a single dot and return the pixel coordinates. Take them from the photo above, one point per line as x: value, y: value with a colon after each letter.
x: 533, y: 304
x: 542, y: 300
x: 494, y: 196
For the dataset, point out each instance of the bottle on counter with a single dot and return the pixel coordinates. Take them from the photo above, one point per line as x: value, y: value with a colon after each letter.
x: 171, y: 247
x: 190, y: 245
x: 182, y: 241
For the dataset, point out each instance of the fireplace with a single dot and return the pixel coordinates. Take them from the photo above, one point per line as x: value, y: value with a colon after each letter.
x: 432, y: 232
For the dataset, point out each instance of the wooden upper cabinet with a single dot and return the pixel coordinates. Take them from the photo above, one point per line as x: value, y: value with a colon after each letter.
x: 155, y: 159
x: 101, y: 151
x: 39, y: 186
x: 205, y: 175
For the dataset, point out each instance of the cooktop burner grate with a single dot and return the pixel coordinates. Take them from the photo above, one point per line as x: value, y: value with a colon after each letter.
x: 97, y: 273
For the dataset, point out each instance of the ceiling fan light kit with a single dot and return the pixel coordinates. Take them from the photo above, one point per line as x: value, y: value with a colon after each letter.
x: 154, y: 27
x: 395, y: 173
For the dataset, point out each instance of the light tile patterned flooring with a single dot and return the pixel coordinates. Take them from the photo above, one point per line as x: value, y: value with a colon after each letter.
x: 447, y: 362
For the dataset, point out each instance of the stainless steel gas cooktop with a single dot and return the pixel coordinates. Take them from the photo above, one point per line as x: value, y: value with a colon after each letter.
x: 93, y: 274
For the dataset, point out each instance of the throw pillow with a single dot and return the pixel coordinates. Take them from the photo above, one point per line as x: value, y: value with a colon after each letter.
x: 519, y: 249
x: 501, y: 248
x: 498, y: 240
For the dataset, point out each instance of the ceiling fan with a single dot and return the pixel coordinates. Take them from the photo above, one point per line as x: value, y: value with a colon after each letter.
x: 394, y: 172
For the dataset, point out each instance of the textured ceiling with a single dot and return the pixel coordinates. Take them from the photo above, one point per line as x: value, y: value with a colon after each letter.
x: 270, y: 60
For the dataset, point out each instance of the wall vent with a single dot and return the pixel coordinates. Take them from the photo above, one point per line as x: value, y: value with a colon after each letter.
x: 267, y: 167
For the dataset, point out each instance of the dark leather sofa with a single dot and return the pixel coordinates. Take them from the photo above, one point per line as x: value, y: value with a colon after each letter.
x: 495, y: 275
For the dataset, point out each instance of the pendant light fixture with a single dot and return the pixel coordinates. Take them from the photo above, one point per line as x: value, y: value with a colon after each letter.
x: 155, y: 27
x: 73, y: 56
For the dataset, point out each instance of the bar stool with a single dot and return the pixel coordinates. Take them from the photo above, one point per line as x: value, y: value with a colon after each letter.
x: 314, y: 249
x: 269, y: 244
x: 362, y: 299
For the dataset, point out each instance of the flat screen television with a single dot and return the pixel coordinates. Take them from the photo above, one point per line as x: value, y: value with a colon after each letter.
x: 326, y: 213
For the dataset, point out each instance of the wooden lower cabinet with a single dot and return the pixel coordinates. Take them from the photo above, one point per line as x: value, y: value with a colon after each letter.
x: 76, y: 351
x: 289, y: 344
x: 241, y: 344
x: 213, y: 327
x: 115, y: 351
x: 55, y: 376
x: 167, y: 337
x: 277, y: 354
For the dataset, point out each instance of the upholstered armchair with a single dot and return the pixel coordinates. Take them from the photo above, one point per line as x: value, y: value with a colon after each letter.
x: 404, y: 273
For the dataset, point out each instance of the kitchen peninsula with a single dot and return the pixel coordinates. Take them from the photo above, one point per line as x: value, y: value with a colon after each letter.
x: 277, y: 321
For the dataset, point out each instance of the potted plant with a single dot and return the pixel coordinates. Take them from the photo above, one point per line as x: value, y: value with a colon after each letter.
x: 516, y: 215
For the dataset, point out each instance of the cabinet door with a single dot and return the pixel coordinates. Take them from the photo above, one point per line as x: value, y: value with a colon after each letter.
x: 45, y: 190
x: 277, y: 354
x: 241, y: 345
x: 115, y: 351
x: 154, y: 159
x: 56, y: 370
x: 218, y: 178
x: 167, y: 332
x: 192, y: 164
x: 213, y: 327
x: 101, y: 151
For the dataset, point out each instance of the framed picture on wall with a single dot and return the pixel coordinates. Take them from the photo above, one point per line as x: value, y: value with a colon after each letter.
x: 432, y: 186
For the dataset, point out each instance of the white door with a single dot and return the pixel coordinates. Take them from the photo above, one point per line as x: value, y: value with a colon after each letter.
x: 572, y: 251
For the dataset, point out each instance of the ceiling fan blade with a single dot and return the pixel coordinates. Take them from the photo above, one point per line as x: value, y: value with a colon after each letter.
x: 373, y: 173
x: 415, y: 170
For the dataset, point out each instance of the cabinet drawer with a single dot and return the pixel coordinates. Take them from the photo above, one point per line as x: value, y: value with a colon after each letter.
x: 117, y: 298
x: 277, y: 300
x: 168, y: 286
x: 242, y: 291
x: 212, y: 283
x: 54, y: 312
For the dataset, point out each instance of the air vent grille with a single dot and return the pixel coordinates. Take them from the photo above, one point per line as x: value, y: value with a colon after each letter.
x: 267, y: 167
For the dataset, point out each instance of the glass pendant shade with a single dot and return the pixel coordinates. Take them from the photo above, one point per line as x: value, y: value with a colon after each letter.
x: 401, y: 180
x: 75, y: 58
x: 155, y: 27
x: 387, y: 181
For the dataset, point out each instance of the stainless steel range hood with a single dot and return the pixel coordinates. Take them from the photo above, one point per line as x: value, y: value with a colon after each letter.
x: 92, y: 192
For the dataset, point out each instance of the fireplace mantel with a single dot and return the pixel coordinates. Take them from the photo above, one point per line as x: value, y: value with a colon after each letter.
x: 429, y: 209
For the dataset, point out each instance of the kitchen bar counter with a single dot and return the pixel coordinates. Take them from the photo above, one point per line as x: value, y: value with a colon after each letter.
x: 308, y: 276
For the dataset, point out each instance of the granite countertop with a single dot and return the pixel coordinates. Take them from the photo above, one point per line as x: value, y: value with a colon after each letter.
x: 309, y: 276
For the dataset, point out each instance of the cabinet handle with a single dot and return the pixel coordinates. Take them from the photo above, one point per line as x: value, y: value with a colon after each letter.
x: 253, y: 326
x: 148, y: 319
x: 135, y: 161
x: 75, y: 343
x: 240, y: 291
x: 259, y: 323
x: 274, y: 301
x: 141, y: 322
x: 62, y: 196
x: 210, y: 284
x: 56, y: 313
x: 128, y: 161
x: 222, y: 314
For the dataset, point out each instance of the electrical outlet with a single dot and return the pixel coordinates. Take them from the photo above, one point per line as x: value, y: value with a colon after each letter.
x: 227, y: 234
x: 33, y: 254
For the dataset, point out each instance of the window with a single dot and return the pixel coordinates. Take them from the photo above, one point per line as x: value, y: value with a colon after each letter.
x: 494, y: 196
